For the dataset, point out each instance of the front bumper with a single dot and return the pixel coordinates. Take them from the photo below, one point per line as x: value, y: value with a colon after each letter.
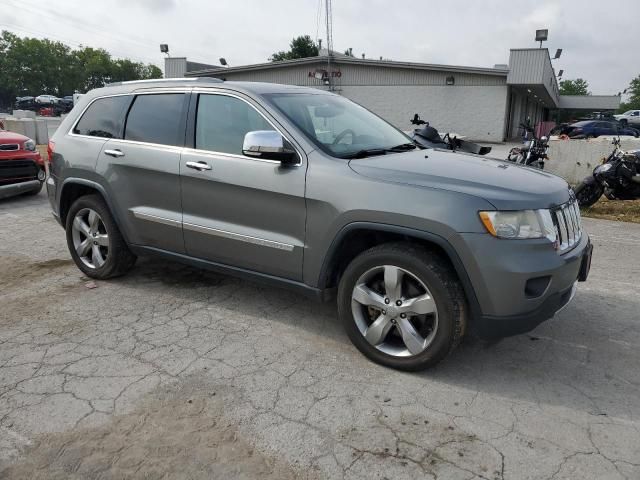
x: 520, y: 284
x: 14, y: 189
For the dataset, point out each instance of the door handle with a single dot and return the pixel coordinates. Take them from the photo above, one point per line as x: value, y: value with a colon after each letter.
x: 200, y: 166
x: 114, y: 153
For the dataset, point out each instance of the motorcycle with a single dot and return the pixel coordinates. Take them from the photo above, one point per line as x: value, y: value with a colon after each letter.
x: 618, y: 178
x: 533, y: 153
x: 428, y: 137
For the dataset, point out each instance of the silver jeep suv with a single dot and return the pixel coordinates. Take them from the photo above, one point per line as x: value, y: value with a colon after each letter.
x: 305, y: 189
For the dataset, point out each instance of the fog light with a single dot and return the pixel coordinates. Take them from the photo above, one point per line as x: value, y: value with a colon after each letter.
x: 41, y: 175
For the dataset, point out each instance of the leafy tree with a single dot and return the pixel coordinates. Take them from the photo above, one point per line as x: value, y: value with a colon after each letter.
x: 578, y: 86
x: 634, y: 98
x: 30, y: 66
x: 300, y: 47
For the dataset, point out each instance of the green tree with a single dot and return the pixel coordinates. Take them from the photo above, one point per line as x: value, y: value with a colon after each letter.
x: 634, y: 96
x: 300, y: 47
x: 30, y: 66
x: 578, y: 86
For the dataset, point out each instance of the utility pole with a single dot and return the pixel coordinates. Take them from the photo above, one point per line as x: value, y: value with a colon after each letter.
x: 329, y: 21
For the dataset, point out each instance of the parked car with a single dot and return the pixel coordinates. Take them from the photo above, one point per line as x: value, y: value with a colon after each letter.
x: 66, y: 104
x: 26, y: 103
x: 47, y: 99
x: 21, y: 166
x: 630, y: 117
x: 305, y: 189
x: 596, y: 128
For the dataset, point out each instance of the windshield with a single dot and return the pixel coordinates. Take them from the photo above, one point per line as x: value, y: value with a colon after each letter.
x: 338, y: 126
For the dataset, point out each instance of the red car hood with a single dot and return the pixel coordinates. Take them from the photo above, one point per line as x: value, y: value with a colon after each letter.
x: 11, y: 137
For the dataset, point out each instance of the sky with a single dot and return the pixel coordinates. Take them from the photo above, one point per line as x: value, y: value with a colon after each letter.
x: 600, y: 40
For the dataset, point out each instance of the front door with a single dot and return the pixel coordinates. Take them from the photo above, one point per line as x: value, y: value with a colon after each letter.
x: 238, y: 210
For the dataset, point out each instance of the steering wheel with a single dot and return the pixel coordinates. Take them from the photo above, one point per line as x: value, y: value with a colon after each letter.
x: 341, y: 135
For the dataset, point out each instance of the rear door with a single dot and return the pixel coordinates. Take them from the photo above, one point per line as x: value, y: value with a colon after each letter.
x: 239, y: 210
x: 142, y: 169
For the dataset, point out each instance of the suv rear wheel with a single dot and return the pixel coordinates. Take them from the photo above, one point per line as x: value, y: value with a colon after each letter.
x: 402, y: 306
x: 94, y: 240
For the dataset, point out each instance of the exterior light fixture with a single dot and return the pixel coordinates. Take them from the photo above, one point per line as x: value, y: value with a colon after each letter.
x: 223, y: 62
x: 450, y: 80
x: 164, y: 48
x: 542, y: 36
x: 558, y: 53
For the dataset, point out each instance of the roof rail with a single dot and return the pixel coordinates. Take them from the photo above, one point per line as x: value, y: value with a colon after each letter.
x: 157, y: 80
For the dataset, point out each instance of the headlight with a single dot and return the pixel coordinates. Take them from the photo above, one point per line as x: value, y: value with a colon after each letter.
x: 520, y: 224
x: 30, y: 145
x: 604, y: 168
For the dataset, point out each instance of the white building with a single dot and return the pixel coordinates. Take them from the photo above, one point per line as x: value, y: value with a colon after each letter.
x: 486, y: 104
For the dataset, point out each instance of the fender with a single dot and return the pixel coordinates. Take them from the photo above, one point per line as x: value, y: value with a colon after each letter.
x: 441, y: 242
x: 96, y: 186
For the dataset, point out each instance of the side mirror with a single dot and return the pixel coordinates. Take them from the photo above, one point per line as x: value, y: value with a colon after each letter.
x: 269, y: 145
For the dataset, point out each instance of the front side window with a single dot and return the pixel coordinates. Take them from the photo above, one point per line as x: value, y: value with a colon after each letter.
x: 156, y: 118
x: 223, y: 121
x: 337, y: 125
x: 104, y: 117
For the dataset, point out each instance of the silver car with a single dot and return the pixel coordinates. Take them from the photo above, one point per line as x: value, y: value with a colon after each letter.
x: 305, y: 189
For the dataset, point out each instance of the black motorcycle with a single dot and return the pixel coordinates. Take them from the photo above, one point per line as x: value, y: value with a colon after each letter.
x: 533, y: 153
x: 428, y: 137
x: 618, y: 178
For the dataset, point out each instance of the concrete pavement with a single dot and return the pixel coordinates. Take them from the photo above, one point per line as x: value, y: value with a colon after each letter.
x: 172, y: 372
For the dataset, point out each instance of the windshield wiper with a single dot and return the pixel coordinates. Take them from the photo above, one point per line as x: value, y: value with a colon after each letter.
x: 369, y: 152
x: 402, y: 147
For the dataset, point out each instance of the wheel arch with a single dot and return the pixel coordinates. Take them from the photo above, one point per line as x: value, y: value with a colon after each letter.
x: 357, y: 237
x: 74, y: 188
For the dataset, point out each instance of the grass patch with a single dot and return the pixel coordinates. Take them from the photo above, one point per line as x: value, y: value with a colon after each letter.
x: 618, y: 210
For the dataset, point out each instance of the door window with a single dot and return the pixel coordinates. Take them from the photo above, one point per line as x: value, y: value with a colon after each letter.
x: 104, y: 117
x: 156, y: 118
x: 223, y: 121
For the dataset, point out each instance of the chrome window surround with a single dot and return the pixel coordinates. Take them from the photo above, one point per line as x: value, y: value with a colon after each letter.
x: 202, y: 90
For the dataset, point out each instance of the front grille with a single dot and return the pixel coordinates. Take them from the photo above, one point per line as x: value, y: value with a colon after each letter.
x: 11, y: 170
x: 9, y: 147
x: 568, y: 223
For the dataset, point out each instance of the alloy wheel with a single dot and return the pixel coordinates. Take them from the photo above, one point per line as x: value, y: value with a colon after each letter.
x: 394, y: 311
x: 90, y: 238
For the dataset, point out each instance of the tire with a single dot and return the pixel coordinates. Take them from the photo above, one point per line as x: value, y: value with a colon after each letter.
x: 96, y: 246
x: 35, y: 191
x: 425, y: 276
x: 588, y: 192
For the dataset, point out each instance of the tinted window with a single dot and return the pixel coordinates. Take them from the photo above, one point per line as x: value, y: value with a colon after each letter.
x: 104, y: 118
x: 222, y: 122
x: 156, y: 119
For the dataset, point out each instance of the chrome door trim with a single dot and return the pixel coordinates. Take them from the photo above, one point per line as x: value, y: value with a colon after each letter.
x: 237, y: 236
x: 155, y: 218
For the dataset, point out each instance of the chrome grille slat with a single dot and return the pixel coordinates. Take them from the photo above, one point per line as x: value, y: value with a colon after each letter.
x: 568, y: 224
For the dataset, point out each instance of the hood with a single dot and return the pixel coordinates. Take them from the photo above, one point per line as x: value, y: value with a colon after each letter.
x: 505, y: 185
x: 11, y: 137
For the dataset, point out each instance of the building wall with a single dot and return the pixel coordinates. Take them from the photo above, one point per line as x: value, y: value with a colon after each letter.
x: 476, y: 112
x: 475, y: 106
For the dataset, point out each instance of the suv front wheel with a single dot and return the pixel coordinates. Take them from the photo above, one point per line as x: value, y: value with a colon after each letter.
x: 94, y: 240
x: 402, y: 306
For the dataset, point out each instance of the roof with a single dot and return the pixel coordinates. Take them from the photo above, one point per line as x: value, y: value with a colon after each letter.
x: 589, y: 102
x: 353, y: 61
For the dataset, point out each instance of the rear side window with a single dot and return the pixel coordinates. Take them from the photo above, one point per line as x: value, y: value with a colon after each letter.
x: 156, y: 118
x: 104, y: 118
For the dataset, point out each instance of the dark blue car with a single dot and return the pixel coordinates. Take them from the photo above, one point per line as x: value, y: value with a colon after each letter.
x: 595, y: 128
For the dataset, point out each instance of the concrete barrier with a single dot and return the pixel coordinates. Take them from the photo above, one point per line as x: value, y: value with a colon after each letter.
x: 42, y: 132
x: 574, y: 160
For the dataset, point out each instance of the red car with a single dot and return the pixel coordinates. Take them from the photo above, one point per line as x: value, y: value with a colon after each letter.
x: 21, y: 166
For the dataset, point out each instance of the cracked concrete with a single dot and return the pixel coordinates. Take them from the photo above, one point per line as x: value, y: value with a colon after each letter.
x: 174, y: 372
